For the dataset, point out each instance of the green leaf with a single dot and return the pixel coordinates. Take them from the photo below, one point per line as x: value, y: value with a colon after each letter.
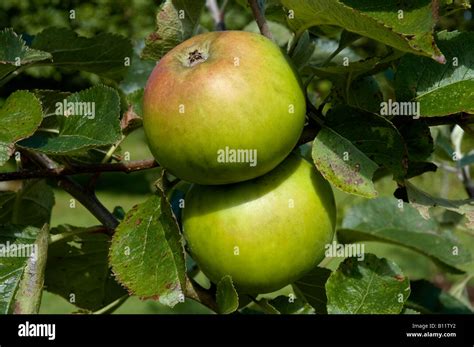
x: 427, y: 298
x: 416, y: 168
x: 78, y: 268
x: 365, y: 94
x: 303, y: 51
x: 288, y: 305
x: 30, y: 290
x: 409, y: 311
x: 353, y: 175
x: 176, y: 21
x: 96, y: 125
x: 226, y: 296
x: 357, y: 67
x: 17, y: 242
x: 138, y: 73
x: 374, y: 135
x: 440, y: 89
x: 371, y: 286
x: 31, y: 205
x: 377, y: 20
x: 311, y: 286
x: 48, y: 99
x: 417, y: 137
x: 281, y: 34
x: 422, y: 201
x: 14, y: 53
x: 466, y: 160
x: 147, y: 254
x: 20, y: 116
x: 383, y: 220
x: 104, y: 54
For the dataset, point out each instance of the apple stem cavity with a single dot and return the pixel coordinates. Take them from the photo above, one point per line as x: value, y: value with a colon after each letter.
x: 195, y: 57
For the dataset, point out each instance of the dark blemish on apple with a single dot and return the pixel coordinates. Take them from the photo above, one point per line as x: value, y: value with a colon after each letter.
x: 195, y: 57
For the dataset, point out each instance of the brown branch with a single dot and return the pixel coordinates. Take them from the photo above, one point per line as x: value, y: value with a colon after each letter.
x: 196, y: 292
x: 260, y: 19
x: 61, y: 171
x: 87, y: 198
x: 308, y: 134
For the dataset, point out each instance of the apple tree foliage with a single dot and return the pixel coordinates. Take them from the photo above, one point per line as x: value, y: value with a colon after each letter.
x: 360, y: 61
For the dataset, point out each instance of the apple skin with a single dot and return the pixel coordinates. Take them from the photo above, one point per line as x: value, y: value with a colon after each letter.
x: 277, y: 243
x: 244, y: 95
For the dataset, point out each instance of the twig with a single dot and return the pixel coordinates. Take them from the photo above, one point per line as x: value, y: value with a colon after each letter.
x: 60, y: 171
x: 112, y: 306
x: 196, y: 292
x: 67, y: 234
x: 217, y: 13
x: 308, y: 134
x: 87, y: 198
x: 260, y: 19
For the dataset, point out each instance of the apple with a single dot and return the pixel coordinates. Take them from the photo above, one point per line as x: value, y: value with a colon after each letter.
x: 223, y: 107
x: 265, y: 233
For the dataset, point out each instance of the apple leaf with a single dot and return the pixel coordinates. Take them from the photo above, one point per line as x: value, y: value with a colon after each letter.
x: 466, y: 160
x: 31, y: 205
x: 226, y: 296
x: 371, y: 286
x: 78, y: 268
x: 311, y: 286
x: 287, y: 305
x: 147, y: 254
x: 48, y: 99
x: 440, y: 89
x: 14, y: 53
x: 409, y: 311
x: 97, y: 125
x: 353, y: 175
x: 422, y: 201
x: 356, y: 67
x: 374, y: 135
x: 406, y: 26
x: 12, y: 267
x: 384, y: 220
x: 138, y: 73
x: 417, y: 137
x: 20, y: 116
x: 176, y: 21
x: 430, y: 299
x: 105, y: 54
x: 364, y: 94
x: 303, y: 51
x: 280, y: 32
x: 30, y: 289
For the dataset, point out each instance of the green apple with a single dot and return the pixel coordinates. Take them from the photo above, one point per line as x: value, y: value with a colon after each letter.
x: 223, y: 107
x: 265, y: 233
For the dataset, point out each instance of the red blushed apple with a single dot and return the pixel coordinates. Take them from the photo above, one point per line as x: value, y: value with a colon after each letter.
x: 223, y: 107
